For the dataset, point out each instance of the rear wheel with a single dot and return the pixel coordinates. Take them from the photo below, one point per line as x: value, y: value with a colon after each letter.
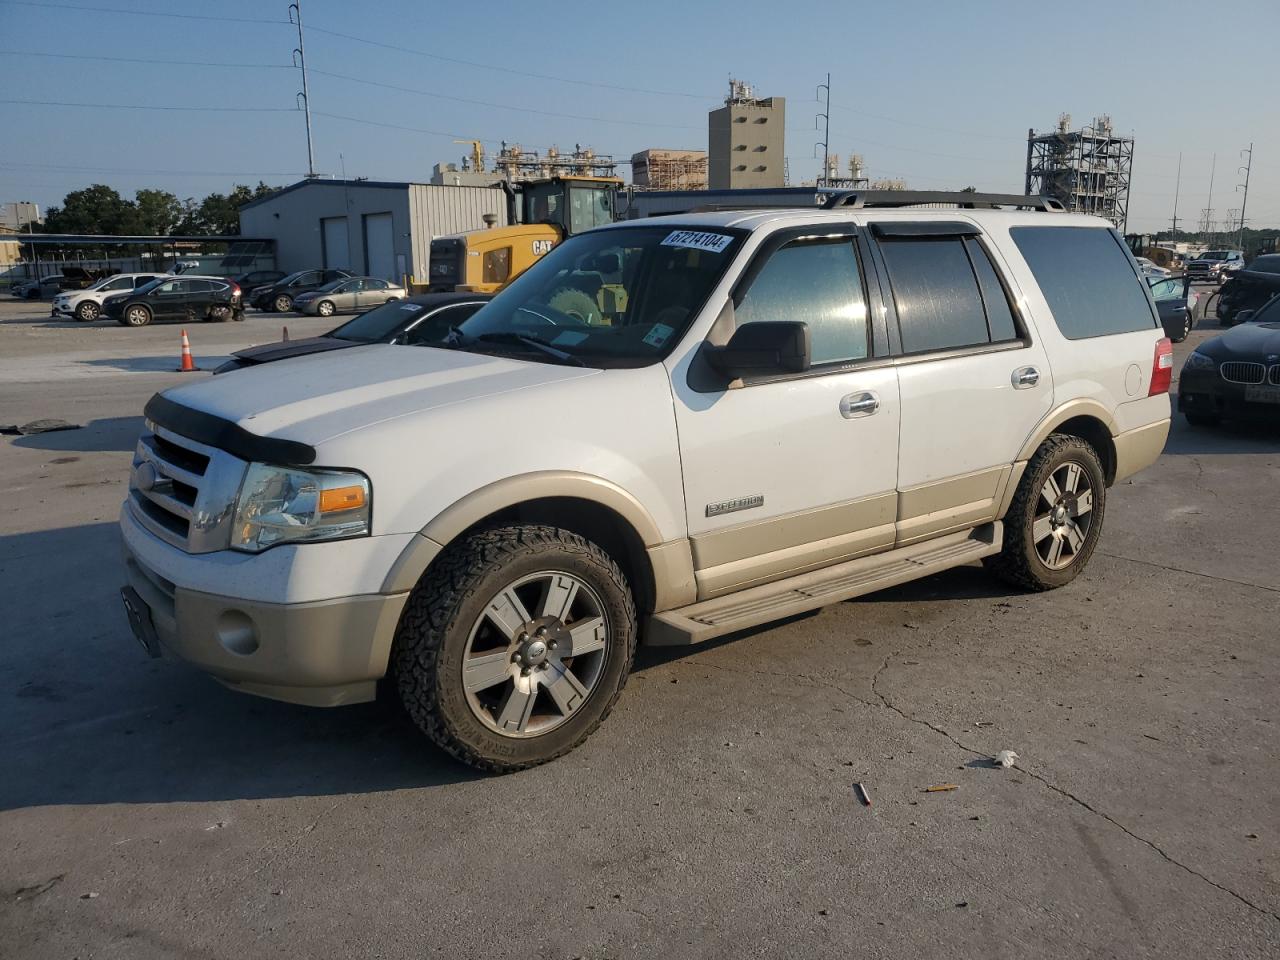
x: 219, y: 313
x: 1055, y: 519
x: 515, y: 645
x: 137, y: 316
x: 325, y: 308
x: 283, y: 303
x: 1187, y: 324
x: 87, y: 311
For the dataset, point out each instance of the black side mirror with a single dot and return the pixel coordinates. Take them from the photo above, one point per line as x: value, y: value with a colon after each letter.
x: 756, y: 349
x: 1244, y: 316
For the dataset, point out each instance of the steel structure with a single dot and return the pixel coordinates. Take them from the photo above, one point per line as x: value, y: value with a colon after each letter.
x: 516, y: 165
x: 1088, y: 169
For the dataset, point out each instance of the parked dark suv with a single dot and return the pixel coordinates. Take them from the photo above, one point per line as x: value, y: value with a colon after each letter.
x: 1250, y: 288
x: 185, y: 298
x: 248, y: 282
x: 278, y: 296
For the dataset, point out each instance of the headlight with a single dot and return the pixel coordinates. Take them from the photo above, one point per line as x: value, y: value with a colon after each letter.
x: 1198, y: 361
x: 280, y: 504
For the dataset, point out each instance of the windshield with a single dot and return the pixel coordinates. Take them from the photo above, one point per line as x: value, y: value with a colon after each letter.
x: 332, y: 285
x: 150, y: 285
x: 609, y: 298
x: 290, y: 278
x: 1213, y: 255
x: 104, y: 281
x: 380, y: 323
x: 1269, y: 312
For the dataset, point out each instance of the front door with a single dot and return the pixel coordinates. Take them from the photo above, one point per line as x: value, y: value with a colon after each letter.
x: 169, y: 300
x: 787, y: 474
x: 974, y: 383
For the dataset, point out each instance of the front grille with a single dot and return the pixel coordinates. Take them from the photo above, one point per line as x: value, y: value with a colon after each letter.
x: 184, y: 491
x: 1238, y: 371
x: 1273, y: 376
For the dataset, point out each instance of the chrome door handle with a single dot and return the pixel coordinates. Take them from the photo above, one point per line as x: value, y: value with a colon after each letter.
x: 862, y: 404
x: 1025, y: 377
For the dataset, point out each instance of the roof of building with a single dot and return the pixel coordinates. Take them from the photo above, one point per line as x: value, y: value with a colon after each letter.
x: 376, y: 184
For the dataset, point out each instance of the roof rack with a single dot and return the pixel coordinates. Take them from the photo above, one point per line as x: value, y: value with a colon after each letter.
x: 910, y: 198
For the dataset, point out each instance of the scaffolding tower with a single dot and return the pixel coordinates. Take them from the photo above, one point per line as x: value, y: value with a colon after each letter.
x: 1087, y: 169
x: 516, y: 164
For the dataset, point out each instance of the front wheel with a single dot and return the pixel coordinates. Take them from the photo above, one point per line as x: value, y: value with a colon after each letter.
x: 283, y: 303
x: 1187, y: 324
x: 137, y: 316
x: 515, y: 645
x: 87, y: 311
x: 325, y: 308
x: 1055, y: 519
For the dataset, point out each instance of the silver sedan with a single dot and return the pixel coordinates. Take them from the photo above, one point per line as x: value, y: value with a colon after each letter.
x: 349, y: 295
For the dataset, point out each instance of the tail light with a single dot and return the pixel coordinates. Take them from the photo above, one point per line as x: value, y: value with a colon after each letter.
x: 235, y: 289
x: 1161, y: 368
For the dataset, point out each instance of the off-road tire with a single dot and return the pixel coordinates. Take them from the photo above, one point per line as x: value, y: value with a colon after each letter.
x: 1018, y: 563
x: 87, y: 311
x: 282, y: 303
x: 575, y: 303
x: 137, y: 316
x: 434, y: 627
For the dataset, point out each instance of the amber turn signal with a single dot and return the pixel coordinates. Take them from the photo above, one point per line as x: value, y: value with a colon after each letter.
x: 341, y: 498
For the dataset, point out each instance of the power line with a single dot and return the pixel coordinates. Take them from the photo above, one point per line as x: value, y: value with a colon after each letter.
x: 137, y: 13
x: 149, y: 60
x: 139, y: 170
x: 148, y: 106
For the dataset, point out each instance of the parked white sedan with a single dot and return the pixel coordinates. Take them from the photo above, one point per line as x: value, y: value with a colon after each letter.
x: 86, y: 305
x: 348, y: 295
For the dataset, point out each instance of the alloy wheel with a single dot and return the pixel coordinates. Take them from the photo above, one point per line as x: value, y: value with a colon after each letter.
x: 1064, y: 512
x: 535, y: 654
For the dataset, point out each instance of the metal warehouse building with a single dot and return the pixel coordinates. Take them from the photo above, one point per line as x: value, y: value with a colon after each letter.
x: 375, y: 228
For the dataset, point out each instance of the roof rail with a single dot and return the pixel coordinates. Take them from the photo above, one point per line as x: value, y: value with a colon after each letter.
x: 910, y: 198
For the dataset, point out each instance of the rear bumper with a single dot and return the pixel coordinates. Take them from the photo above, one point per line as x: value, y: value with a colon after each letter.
x: 1139, y: 448
x: 321, y: 653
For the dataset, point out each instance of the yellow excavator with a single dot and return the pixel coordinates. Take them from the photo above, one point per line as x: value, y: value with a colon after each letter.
x: 482, y: 261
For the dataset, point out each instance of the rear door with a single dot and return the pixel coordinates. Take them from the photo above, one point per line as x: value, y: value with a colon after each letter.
x: 789, y: 473
x: 974, y: 382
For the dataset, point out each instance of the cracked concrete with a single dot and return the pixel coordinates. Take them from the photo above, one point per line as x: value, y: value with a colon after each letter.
x: 713, y: 814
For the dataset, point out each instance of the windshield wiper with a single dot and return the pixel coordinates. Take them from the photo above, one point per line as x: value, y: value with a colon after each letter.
x: 458, y: 339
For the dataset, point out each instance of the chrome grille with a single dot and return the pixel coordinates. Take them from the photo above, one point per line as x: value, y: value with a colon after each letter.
x: 1239, y: 371
x: 184, y: 491
x: 1273, y: 376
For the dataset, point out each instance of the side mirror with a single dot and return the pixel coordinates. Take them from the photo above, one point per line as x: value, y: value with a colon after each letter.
x: 1244, y: 316
x: 755, y: 349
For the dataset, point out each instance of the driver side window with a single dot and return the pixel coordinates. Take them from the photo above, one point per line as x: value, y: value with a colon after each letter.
x: 816, y: 282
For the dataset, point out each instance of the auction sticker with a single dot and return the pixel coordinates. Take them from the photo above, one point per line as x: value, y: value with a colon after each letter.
x: 714, y: 242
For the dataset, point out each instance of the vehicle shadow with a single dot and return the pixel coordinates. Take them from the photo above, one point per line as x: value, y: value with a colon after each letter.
x: 87, y: 718
x: 108, y: 434
x: 1231, y: 436
x: 166, y: 364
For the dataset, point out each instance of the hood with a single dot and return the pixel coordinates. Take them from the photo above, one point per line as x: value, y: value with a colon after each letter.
x: 312, y: 399
x: 284, y: 349
x: 1249, y: 341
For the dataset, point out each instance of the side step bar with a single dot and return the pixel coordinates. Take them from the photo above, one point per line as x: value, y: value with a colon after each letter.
x: 808, y: 591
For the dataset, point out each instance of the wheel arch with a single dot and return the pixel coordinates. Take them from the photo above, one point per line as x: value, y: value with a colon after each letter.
x: 590, y: 506
x: 1086, y: 419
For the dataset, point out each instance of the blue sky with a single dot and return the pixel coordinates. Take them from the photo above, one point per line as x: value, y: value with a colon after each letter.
x: 938, y: 93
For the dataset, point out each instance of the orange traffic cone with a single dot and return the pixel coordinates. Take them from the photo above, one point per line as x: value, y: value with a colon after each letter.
x: 188, y: 365
x: 285, y: 337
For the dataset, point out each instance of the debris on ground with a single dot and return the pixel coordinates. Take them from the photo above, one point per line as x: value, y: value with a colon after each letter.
x: 1005, y: 758
x: 41, y: 426
x: 861, y: 791
x: 91, y: 895
x: 942, y: 787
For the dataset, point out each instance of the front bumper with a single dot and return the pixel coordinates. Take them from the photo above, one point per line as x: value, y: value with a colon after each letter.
x: 324, y: 653
x: 1205, y: 393
x: 307, y: 307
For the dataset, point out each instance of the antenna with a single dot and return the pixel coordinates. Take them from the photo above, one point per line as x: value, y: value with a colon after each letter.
x: 1177, y: 187
x: 1245, y: 187
x: 826, y: 128
x: 300, y: 55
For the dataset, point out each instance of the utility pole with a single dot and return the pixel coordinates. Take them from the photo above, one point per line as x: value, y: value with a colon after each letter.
x: 826, y: 129
x: 1177, y: 187
x: 1208, y: 212
x: 1245, y: 187
x: 300, y: 55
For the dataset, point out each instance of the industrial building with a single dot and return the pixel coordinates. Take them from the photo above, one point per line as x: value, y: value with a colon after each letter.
x: 746, y: 141
x: 656, y: 169
x: 376, y: 228
x: 19, y: 214
x: 1087, y: 169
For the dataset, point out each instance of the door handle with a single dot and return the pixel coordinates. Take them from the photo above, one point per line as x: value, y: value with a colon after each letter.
x: 862, y: 404
x: 1025, y: 378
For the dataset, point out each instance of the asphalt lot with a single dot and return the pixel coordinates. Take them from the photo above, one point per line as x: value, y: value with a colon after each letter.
x: 145, y: 811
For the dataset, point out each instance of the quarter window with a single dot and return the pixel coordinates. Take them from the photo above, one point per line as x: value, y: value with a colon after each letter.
x: 817, y: 282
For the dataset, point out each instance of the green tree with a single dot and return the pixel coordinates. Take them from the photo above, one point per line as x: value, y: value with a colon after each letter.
x: 95, y: 209
x: 218, y: 213
x: 157, y: 211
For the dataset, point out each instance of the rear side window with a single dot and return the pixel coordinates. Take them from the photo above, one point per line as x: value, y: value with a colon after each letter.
x: 936, y: 293
x: 1087, y: 279
x: 818, y: 283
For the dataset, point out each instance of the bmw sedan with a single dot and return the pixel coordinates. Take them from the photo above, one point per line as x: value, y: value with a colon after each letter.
x: 1235, y: 375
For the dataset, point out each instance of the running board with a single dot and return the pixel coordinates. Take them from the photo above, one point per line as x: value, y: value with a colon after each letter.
x: 808, y: 591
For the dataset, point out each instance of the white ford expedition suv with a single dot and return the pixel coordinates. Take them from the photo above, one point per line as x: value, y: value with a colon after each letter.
x: 664, y: 431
